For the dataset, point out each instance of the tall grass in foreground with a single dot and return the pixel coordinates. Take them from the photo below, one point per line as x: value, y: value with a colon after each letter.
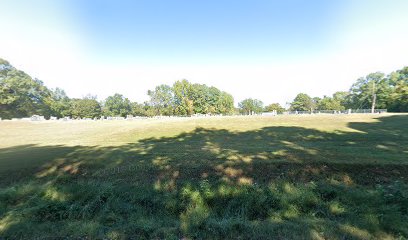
x: 98, y: 209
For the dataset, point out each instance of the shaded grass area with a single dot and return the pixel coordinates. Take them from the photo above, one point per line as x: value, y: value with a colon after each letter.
x: 275, y: 182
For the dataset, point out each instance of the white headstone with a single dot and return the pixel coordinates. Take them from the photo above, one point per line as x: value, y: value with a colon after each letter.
x: 37, y: 118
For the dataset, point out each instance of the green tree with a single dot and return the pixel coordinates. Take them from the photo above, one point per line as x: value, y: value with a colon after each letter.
x: 21, y: 95
x: 274, y: 107
x: 204, y: 98
x: 211, y: 100
x: 249, y: 106
x: 302, y: 102
x: 343, y: 98
x: 183, y: 97
x: 149, y: 111
x: 59, y: 103
x: 137, y: 109
x: 371, y: 91
x: 328, y: 103
x: 398, y: 99
x: 87, y: 107
x: 161, y: 99
x: 315, y: 103
x: 225, y: 103
x: 117, y: 105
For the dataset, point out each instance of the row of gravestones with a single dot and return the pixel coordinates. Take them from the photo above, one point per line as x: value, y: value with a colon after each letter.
x: 36, y: 118
x: 42, y: 118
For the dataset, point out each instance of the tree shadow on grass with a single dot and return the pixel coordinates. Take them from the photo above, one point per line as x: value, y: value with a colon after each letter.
x: 275, y: 182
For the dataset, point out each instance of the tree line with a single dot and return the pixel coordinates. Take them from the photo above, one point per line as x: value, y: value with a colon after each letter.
x: 24, y: 96
x: 376, y: 90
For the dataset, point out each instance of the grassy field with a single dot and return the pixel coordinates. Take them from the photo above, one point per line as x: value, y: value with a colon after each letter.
x: 284, y: 177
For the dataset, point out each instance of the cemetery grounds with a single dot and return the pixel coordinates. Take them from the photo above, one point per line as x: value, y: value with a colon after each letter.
x: 239, y: 177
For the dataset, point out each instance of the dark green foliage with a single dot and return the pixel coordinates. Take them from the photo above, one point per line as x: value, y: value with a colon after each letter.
x: 60, y: 104
x: 362, y: 91
x: 398, y: 99
x: 85, y: 108
x: 302, y: 102
x: 117, y: 105
x: 20, y: 95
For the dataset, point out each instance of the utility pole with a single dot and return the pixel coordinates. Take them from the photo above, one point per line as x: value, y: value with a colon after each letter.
x: 374, y: 98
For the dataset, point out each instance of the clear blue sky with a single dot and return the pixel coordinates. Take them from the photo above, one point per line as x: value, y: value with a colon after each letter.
x: 270, y: 50
x: 202, y: 31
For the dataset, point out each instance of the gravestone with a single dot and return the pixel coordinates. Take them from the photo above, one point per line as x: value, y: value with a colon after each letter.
x: 37, y: 118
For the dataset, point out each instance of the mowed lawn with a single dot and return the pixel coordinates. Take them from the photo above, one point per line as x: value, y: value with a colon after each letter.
x: 283, y: 177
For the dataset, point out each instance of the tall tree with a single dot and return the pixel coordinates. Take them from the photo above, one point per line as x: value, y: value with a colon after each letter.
x: 371, y: 91
x: 274, y: 107
x: 183, y: 97
x: 60, y: 103
x: 117, y: 105
x: 249, y: 106
x: 302, y: 102
x: 343, y: 98
x: 161, y: 99
x: 398, y: 99
x: 137, y: 109
x: 225, y: 103
x: 86, y: 107
x: 204, y: 99
x: 210, y: 100
x: 21, y: 95
x: 328, y: 103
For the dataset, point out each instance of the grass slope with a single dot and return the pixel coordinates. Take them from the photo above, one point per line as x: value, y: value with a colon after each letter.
x: 297, y: 177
